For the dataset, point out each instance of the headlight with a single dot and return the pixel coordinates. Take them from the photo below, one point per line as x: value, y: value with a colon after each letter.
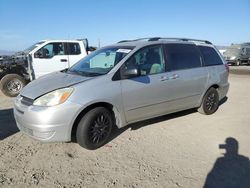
x: 54, y: 98
x: 233, y: 58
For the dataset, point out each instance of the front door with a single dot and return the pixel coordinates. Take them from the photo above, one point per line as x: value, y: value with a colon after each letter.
x: 52, y: 59
x: 143, y: 96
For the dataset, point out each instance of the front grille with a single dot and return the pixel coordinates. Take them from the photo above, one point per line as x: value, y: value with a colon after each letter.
x: 27, y: 101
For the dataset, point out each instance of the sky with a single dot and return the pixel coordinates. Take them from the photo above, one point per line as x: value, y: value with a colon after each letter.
x: 24, y: 22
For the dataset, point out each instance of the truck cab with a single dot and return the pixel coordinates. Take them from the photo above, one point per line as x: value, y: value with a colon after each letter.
x: 39, y: 59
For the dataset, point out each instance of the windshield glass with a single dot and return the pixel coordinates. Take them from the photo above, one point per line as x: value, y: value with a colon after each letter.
x: 33, y: 46
x: 233, y: 51
x: 100, y: 62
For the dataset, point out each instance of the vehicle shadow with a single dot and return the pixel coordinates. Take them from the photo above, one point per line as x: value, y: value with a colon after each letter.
x: 222, y: 101
x: 134, y: 126
x: 144, y: 123
x: 7, y: 123
x: 231, y: 170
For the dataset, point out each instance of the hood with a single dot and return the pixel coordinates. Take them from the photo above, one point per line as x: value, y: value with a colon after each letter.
x: 51, y: 82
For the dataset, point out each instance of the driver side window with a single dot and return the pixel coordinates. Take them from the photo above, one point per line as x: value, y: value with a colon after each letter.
x: 50, y: 50
x: 149, y: 60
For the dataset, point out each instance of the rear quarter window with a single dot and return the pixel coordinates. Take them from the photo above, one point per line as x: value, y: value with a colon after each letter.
x: 210, y: 56
x: 73, y: 49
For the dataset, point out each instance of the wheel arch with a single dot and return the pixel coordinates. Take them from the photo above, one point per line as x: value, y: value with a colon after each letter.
x: 216, y: 86
x: 17, y: 71
x: 114, y: 111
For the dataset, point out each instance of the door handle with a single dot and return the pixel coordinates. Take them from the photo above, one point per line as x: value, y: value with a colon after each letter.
x: 63, y: 60
x: 174, y: 76
x: 163, y: 78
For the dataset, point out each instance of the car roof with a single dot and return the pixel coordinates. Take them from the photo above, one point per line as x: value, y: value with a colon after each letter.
x: 64, y: 40
x: 157, y: 40
x: 246, y: 44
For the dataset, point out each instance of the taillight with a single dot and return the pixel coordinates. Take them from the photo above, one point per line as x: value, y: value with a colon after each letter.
x: 227, y: 67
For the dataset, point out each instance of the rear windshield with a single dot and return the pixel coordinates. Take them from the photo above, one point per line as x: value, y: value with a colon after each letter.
x: 210, y: 56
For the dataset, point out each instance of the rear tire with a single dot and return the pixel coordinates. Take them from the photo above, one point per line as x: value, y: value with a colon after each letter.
x: 12, y: 84
x: 210, y: 102
x: 94, y: 128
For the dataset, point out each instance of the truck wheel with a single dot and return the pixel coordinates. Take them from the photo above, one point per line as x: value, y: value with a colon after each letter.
x: 94, y: 128
x: 12, y: 84
x: 210, y: 102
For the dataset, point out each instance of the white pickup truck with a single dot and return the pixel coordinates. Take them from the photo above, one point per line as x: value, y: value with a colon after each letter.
x: 41, y: 58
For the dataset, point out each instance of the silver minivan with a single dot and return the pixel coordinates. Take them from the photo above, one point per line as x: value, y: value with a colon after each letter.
x: 121, y: 84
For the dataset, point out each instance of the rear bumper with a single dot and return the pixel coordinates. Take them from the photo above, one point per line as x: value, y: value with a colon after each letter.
x: 47, y: 124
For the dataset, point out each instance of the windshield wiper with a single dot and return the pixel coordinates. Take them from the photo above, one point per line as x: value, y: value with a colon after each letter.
x: 74, y: 72
x: 82, y: 73
x: 93, y: 73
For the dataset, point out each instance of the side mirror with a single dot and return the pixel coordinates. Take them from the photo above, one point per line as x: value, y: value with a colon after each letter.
x: 38, y: 54
x: 42, y: 53
x: 130, y: 73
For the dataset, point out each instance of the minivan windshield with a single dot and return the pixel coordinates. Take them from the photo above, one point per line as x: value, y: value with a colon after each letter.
x: 233, y: 51
x: 100, y: 61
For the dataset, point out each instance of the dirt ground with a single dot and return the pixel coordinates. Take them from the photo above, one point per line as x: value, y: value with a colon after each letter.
x: 177, y: 150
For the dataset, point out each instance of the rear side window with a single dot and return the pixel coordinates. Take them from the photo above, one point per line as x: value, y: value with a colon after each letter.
x: 73, y: 49
x: 182, y: 56
x: 210, y: 56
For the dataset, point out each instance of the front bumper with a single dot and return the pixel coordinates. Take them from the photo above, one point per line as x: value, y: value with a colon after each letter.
x: 48, y: 124
x: 231, y: 62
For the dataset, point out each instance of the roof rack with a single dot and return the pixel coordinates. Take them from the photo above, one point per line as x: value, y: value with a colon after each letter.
x: 139, y: 39
x: 161, y: 38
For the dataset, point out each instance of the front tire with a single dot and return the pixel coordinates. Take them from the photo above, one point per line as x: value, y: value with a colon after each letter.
x: 210, y: 102
x: 12, y: 84
x: 94, y: 128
